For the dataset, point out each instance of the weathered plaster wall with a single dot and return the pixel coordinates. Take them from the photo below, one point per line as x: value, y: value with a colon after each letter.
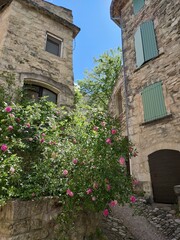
x: 164, y: 133
x: 37, y: 220
x: 23, y: 50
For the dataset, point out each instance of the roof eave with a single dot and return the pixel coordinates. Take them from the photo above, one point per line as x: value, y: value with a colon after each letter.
x: 57, y: 18
x: 61, y: 20
x: 115, y: 18
x: 115, y: 10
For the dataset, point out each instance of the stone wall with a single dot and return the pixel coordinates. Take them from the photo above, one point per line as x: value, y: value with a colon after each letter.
x: 37, y: 220
x: 60, y: 11
x: 164, y: 133
x: 22, y: 48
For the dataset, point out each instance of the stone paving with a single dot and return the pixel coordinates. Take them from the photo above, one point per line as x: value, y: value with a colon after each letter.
x: 144, y: 222
x: 114, y: 229
x: 162, y: 217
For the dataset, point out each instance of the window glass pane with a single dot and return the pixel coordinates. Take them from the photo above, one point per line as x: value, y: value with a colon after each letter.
x: 52, y: 97
x: 53, y: 47
x: 31, y: 91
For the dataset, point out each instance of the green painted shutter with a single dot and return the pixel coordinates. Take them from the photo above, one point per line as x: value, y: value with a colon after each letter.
x: 149, y: 40
x: 139, y: 48
x: 153, y: 102
x: 137, y: 5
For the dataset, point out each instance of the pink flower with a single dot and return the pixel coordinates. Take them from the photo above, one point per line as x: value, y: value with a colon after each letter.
x: 113, y: 131
x: 113, y: 203
x: 75, y: 161
x: 122, y: 161
x: 65, y: 172
x: 89, y: 191
x: 8, y: 109
x: 12, y: 170
x: 133, y: 199
x: 95, y: 128
x: 18, y: 120
x: 103, y: 124
x: 28, y: 125
x: 42, y: 140
x: 70, y: 193
x: 10, y: 128
x: 95, y: 185
x: 11, y: 115
x: 108, y: 141
x: 93, y: 198
x: 130, y: 149
x: 4, y: 147
x: 108, y: 187
x: 135, y: 182
x: 106, y: 212
x: 43, y: 134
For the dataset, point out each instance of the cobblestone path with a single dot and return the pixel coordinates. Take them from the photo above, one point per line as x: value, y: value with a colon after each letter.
x: 114, y: 229
x: 150, y: 223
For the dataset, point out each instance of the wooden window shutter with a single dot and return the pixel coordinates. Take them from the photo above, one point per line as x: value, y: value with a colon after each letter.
x: 137, y: 5
x: 139, y: 48
x: 148, y: 40
x: 153, y: 102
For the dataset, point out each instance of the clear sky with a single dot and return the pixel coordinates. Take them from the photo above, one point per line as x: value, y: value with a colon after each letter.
x: 98, y: 32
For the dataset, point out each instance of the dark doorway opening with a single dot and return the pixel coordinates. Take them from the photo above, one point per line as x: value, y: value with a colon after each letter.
x: 165, y: 174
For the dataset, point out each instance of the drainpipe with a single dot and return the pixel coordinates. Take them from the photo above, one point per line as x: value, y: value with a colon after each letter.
x: 125, y: 82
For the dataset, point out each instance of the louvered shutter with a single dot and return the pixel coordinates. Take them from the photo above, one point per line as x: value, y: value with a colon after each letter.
x: 153, y: 102
x: 139, y: 48
x: 148, y: 40
x: 137, y: 5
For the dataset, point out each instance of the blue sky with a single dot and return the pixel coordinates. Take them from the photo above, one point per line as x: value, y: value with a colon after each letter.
x: 98, y: 32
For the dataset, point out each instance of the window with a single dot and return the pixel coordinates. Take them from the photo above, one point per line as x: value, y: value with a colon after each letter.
x: 145, y: 43
x: 153, y: 102
x: 137, y: 5
x: 35, y: 92
x: 54, y: 45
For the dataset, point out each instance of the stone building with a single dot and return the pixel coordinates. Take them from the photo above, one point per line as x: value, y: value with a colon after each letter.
x: 147, y: 94
x: 36, y: 46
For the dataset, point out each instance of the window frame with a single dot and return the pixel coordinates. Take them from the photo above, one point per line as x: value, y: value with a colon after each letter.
x: 56, y: 40
x: 40, y: 91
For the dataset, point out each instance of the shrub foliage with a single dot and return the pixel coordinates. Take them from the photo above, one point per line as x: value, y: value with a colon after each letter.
x: 79, y: 156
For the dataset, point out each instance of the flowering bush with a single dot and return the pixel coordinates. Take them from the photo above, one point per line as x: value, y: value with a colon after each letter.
x: 79, y: 157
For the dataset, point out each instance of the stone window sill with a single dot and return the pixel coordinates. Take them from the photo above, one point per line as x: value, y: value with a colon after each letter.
x: 146, y: 63
x: 154, y: 121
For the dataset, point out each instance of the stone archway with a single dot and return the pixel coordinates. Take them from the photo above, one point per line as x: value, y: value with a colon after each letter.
x: 165, y: 173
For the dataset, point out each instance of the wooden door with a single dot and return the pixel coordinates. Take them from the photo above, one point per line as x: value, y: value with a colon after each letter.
x: 165, y: 174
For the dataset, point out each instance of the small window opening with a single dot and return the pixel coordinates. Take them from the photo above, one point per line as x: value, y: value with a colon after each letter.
x: 54, y: 45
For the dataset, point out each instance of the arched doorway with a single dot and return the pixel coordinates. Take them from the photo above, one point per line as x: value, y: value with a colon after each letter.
x: 165, y: 173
